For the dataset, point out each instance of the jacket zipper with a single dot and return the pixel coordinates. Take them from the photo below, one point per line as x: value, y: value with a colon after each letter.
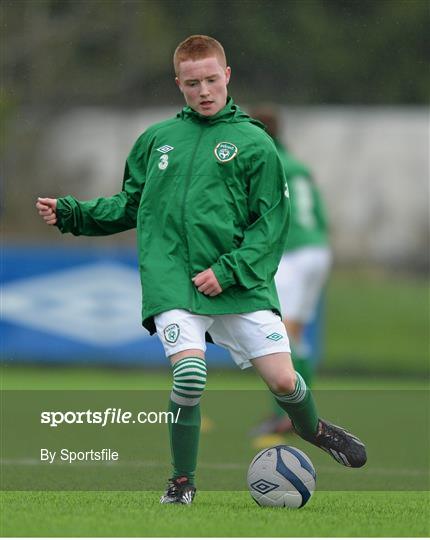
x: 183, y: 219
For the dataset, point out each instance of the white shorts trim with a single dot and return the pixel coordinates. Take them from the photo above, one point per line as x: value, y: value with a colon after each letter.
x: 300, y: 278
x: 245, y: 335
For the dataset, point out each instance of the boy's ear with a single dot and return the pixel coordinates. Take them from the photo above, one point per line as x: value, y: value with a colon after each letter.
x: 227, y: 74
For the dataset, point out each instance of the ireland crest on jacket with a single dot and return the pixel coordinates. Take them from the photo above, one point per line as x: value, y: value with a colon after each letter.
x: 225, y: 151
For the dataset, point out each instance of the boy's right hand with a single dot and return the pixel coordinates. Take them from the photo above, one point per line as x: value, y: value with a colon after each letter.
x: 47, y: 209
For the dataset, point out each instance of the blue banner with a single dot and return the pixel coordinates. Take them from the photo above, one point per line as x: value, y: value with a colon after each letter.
x: 62, y: 304
x: 76, y: 305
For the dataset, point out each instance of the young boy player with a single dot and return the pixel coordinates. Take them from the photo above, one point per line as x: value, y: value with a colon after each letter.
x: 206, y: 192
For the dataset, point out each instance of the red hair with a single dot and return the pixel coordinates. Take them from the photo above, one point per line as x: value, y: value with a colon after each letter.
x: 198, y: 47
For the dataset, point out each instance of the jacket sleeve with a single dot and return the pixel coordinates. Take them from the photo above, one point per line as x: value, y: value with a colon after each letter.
x: 257, y: 258
x: 107, y: 215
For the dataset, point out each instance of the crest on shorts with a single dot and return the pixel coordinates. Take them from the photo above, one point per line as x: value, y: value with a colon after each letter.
x: 225, y: 151
x: 171, y: 333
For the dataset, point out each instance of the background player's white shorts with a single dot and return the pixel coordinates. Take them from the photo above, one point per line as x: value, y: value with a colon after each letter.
x: 245, y: 335
x: 300, y: 279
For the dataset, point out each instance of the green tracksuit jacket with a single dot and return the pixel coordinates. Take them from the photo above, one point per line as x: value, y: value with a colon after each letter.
x: 203, y: 192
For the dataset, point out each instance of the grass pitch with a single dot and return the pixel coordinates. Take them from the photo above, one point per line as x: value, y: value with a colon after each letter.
x: 216, y: 514
x: 377, y: 323
x: 228, y: 512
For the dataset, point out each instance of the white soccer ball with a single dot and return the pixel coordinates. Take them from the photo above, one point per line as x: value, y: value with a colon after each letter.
x: 281, y: 476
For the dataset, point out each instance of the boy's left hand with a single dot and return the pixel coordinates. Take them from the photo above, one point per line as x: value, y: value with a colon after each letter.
x: 207, y: 283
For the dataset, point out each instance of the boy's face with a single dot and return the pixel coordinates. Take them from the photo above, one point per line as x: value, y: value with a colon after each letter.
x: 204, y: 84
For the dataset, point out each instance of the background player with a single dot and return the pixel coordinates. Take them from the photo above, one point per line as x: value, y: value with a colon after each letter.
x: 304, y: 267
x: 206, y: 192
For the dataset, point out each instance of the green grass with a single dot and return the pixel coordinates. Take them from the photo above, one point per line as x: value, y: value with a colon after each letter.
x: 389, y: 497
x: 58, y: 377
x: 377, y: 323
x: 340, y: 514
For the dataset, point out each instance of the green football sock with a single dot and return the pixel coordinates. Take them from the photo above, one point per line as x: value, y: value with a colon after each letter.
x: 184, y: 440
x: 189, y: 380
x: 301, y: 408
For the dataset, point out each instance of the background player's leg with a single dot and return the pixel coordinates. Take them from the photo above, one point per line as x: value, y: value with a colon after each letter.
x: 301, y: 360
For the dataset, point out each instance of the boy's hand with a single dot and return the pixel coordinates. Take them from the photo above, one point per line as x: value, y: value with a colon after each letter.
x: 47, y: 209
x: 207, y: 283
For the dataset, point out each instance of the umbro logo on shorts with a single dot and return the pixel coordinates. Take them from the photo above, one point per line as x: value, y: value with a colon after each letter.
x: 275, y: 336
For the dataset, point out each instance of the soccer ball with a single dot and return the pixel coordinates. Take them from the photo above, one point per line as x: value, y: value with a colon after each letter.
x: 281, y: 476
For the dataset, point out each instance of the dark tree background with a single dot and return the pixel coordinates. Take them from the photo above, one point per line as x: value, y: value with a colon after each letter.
x: 59, y: 53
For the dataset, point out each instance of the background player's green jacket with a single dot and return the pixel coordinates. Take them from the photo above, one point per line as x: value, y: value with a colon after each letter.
x: 308, y: 222
x: 197, y: 204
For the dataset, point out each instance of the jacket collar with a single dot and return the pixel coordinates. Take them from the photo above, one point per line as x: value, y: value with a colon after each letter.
x: 230, y: 113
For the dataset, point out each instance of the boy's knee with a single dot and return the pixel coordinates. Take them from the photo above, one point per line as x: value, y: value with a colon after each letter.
x: 189, y: 381
x: 284, y: 383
